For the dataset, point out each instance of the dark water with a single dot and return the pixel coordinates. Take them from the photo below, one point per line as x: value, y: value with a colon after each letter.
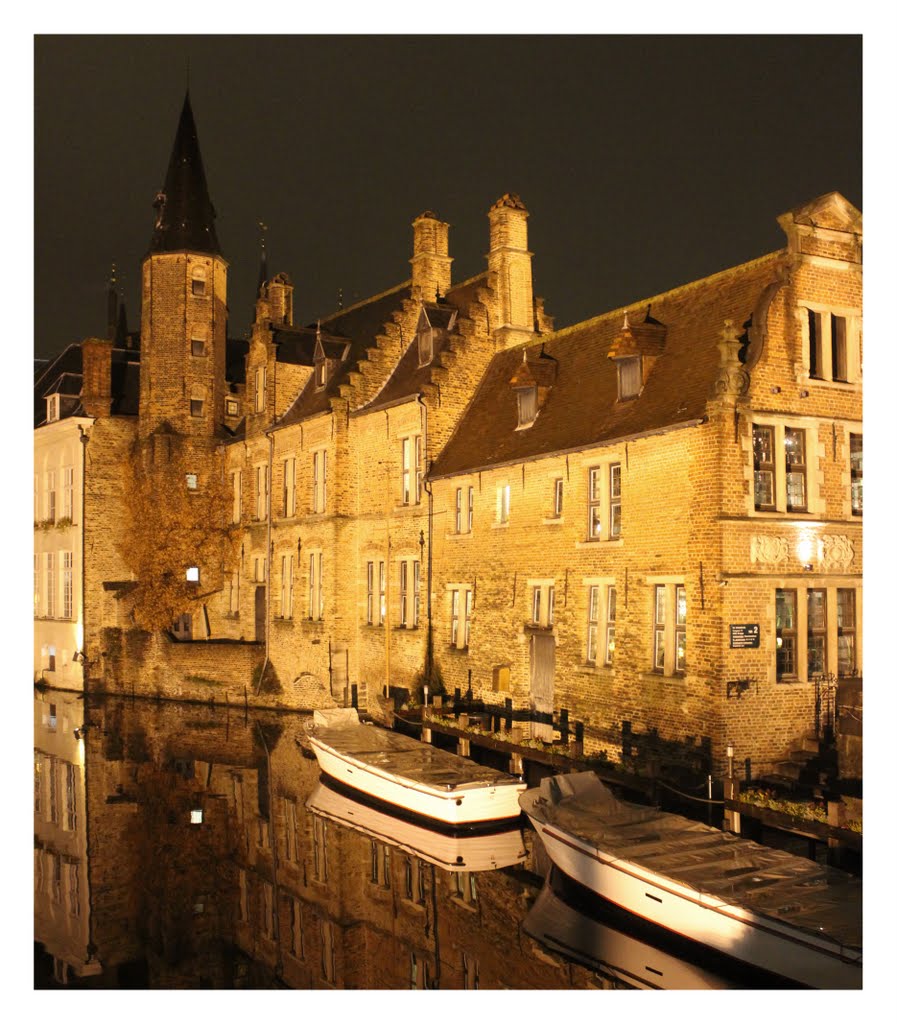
x: 179, y: 846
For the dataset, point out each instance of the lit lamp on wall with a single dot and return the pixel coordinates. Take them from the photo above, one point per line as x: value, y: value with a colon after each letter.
x: 805, y: 548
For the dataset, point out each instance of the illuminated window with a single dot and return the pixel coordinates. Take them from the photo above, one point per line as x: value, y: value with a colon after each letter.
x: 193, y: 574
x: 795, y: 470
x: 782, y: 457
x: 412, y: 470
x: 192, y: 481
x: 231, y: 407
x: 461, y: 614
x: 669, y: 642
x: 605, y: 490
x: 764, y: 468
x: 196, y: 816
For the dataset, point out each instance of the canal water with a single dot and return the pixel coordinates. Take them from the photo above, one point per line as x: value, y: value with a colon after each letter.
x: 179, y: 846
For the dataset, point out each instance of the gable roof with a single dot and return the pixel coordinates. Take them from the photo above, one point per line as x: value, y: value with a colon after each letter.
x: 582, y: 409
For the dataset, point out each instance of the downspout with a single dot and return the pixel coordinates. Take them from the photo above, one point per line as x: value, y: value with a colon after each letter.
x: 428, y: 487
x: 84, y: 438
x: 269, y: 434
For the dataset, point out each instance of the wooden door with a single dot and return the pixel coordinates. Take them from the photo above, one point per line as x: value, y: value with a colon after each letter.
x: 542, y: 682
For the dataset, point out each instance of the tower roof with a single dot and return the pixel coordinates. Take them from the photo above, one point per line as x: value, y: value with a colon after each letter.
x: 185, y: 217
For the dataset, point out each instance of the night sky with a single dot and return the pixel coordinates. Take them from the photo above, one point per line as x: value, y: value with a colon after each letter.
x: 645, y: 162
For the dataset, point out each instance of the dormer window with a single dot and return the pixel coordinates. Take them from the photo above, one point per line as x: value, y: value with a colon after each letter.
x: 425, y: 345
x: 629, y: 378
x: 320, y: 373
x: 52, y: 408
x: 526, y: 407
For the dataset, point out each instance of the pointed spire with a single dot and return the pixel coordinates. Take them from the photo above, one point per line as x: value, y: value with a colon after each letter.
x: 121, y: 339
x: 185, y: 217
x: 111, y: 304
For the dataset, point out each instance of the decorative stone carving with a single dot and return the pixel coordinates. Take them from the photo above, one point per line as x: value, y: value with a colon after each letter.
x: 768, y: 550
x: 732, y: 379
x: 835, y: 550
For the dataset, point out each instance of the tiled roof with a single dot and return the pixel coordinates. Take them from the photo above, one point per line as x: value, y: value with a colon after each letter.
x: 359, y: 324
x: 63, y: 375
x: 581, y: 409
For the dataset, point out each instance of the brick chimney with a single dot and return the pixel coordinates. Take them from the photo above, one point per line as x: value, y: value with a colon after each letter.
x: 431, y: 265
x: 96, y: 369
x: 511, y: 264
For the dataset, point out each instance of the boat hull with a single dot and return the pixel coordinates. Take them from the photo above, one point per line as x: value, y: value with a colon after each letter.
x: 462, y: 807
x: 700, y: 917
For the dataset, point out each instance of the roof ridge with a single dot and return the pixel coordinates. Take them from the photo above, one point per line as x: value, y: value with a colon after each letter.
x: 365, y: 302
x: 629, y: 306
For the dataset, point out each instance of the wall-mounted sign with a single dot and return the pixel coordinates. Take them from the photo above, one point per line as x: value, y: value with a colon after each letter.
x: 744, y: 634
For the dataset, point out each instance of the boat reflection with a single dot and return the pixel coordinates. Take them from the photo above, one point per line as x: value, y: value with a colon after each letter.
x: 464, y: 852
x: 574, y: 923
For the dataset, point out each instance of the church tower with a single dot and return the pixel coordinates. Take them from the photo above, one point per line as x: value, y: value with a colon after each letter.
x: 184, y: 306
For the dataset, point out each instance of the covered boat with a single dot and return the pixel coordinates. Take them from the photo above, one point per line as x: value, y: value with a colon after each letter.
x: 476, y: 851
x: 765, y: 907
x: 413, y: 777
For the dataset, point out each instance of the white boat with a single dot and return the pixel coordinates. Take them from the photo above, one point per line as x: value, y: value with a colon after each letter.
x: 781, y: 913
x: 472, y: 852
x: 414, y: 777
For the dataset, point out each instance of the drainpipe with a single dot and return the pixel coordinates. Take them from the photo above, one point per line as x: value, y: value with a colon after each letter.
x: 428, y: 487
x: 269, y: 434
x: 84, y: 438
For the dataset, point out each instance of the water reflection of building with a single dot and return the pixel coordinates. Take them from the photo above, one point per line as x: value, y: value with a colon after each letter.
x: 190, y: 859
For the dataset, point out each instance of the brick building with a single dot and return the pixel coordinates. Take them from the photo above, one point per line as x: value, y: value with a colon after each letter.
x: 651, y: 518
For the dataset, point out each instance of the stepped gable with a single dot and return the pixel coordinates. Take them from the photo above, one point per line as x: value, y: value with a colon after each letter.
x: 583, y: 410
x: 358, y: 326
x: 409, y: 377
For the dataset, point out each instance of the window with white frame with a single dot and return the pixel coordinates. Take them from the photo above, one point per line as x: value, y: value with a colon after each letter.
x: 817, y: 632
x: 259, y: 568
x: 316, y: 585
x: 558, y: 498
x: 601, y: 623
x: 605, y: 502
x: 831, y: 344
x: 237, y: 484
x: 461, y: 606
x: 465, y: 886
x: 68, y: 493
x: 52, y: 408
x: 669, y: 615
x: 319, y: 481
x: 51, y: 584
x: 629, y: 377
x: 856, y: 474
x: 286, y: 586
x: 231, y: 407
x: 67, y: 563
x: 409, y: 593
x: 261, y: 492
x: 381, y: 619
x: 70, y: 816
x: 320, y: 372
x: 458, y: 496
x: 526, y: 407
x: 470, y: 510
x: 412, y: 470
x: 261, y: 375
x: 503, y: 503
x: 192, y: 480
x: 289, y: 487
x: 542, y: 604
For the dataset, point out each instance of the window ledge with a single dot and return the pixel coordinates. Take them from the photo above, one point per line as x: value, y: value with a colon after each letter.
x: 553, y: 521
x: 411, y: 507
x: 458, y: 650
x: 617, y: 542
x: 836, y: 385
x: 596, y: 670
x: 500, y: 526
x: 457, y: 536
x: 763, y: 513
x: 467, y: 905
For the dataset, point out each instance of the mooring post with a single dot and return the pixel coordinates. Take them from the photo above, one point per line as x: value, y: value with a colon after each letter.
x: 355, y: 695
x: 579, y: 733
x: 463, y: 741
x: 509, y: 713
x: 564, y: 726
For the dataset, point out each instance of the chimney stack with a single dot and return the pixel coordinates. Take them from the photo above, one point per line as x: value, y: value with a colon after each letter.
x: 511, y: 263
x: 431, y: 265
x: 96, y: 371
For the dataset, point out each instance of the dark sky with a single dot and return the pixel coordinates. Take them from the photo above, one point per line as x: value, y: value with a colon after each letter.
x: 645, y: 162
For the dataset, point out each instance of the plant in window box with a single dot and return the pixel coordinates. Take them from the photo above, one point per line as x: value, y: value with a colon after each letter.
x: 63, y: 523
x: 46, y: 524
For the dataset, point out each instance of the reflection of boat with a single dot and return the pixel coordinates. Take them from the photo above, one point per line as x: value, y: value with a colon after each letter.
x: 408, y: 774
x: 582, y: 927
x: 472, y: 852
x: 764, y: 907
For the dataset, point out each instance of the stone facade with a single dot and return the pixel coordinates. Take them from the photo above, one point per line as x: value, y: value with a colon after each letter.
x: 572, y: 519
